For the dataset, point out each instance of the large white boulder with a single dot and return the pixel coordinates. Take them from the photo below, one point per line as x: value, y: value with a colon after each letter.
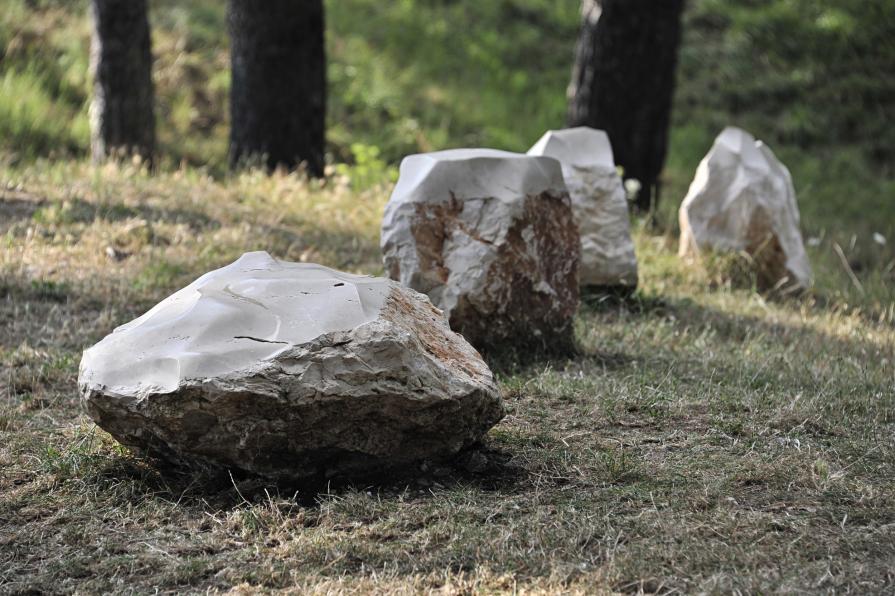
x: 290, y: 371
x: 599, y: 205
x: 742, y: 200
x: 489, y: 236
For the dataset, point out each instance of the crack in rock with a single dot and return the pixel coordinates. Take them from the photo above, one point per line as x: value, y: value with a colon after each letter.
x: 258, y: 339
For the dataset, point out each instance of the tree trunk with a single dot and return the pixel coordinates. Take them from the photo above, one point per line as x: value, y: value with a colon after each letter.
x: 278, y: 86
x: 623, y: 82
x: 121, y: 111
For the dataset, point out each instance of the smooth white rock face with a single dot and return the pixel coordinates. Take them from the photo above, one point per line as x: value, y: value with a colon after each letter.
x: 290, y: 370
x: 229, y: 320
x: 598, y: 202
x: 489, y: 236
x: 472, y: 174
x: 743, y: 199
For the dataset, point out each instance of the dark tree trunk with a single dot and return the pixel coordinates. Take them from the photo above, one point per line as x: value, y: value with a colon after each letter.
x: 623, y: 82
x: 278, y: 86
x: 121, y: 112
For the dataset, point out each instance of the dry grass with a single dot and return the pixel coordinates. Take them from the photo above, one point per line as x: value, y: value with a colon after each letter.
x: 704, y: 441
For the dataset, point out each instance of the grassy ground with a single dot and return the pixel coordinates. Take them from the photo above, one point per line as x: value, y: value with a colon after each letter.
x: 706, y: 439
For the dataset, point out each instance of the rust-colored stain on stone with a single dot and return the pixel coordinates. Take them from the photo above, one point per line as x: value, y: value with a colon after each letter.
x: 531, y: 294
x: 432, y: 226
x: 439, y: 345
x: 767, y: 253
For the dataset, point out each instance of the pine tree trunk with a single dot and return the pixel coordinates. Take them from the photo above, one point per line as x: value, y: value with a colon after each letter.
x: 623, y: 82
x: 278, y: 86
x: 122, y: 121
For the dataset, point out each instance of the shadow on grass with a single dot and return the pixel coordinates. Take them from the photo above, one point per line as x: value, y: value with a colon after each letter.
x: 15, y: 207
x: 337, y: 248
x: 737, y: 327
x: 734, y: 327
x: 512, y: 361
x: 481, y: 466
x: 533, y: 364
x: 631, y: 302
x: 80, y: 211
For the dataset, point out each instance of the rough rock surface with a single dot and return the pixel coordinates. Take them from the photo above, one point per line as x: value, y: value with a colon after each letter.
x: 290, y: 371
x: 490, y: 237
x: 598, y: 203
x: 742, y: 199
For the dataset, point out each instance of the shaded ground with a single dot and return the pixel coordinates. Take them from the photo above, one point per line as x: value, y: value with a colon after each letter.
x: 704, y: 440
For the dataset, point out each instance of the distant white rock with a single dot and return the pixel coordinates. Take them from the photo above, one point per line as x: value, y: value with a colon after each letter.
x: 742, y: 199
x: 490, y: 237
x: 290, y: 371
x: 598, y: 202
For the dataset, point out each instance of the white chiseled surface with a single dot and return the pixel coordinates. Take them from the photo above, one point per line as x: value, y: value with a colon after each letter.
x: 472, y: 173
x: 229, y: 320
x: 739, y: 186
x: 581, y: 146
x: 598, y: 202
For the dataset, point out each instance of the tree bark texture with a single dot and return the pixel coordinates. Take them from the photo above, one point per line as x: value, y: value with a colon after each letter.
x: 278, y: 83
x: 623, y: 82
x: 122, y: 121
